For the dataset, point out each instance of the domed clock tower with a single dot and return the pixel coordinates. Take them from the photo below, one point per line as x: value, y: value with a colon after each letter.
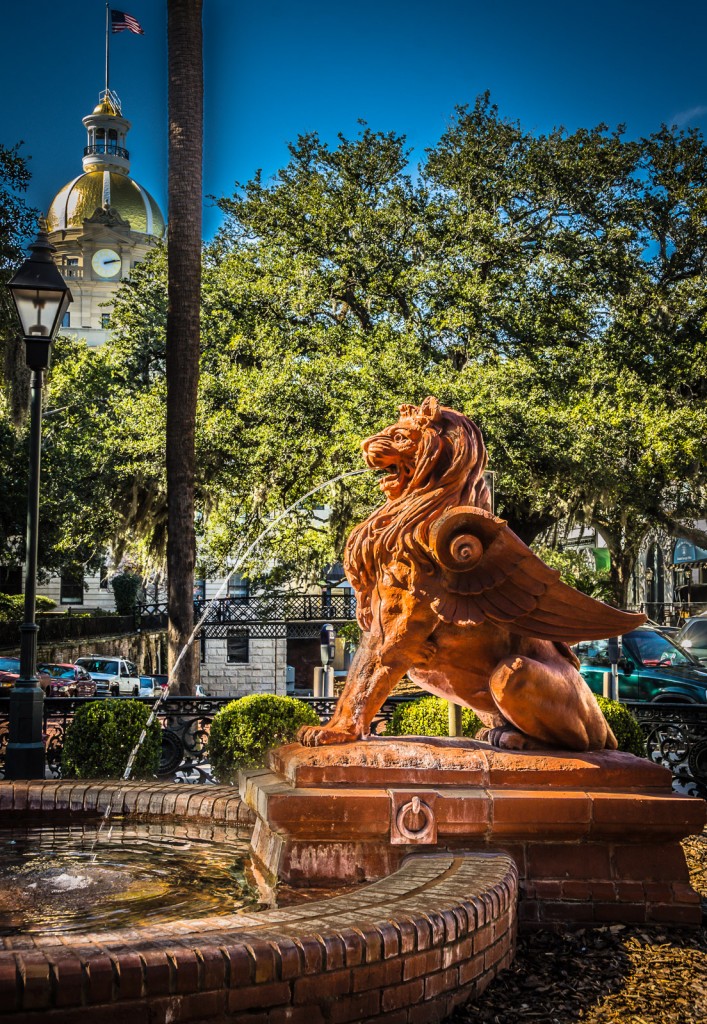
x: 102, y: 223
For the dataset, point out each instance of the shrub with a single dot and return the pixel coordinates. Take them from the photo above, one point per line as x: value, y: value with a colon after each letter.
x: 12, y: 606
x: 101, y: 736
x: 245, y: 730
x: 429, y: 716
x: 126, y: 587
x: 625, y: 727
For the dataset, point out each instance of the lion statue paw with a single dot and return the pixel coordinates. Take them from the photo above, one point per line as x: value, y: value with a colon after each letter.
x: 325, y: 735
x: 505, y: 737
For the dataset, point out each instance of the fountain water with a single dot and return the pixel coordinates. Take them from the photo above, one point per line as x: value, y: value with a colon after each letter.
x: 240, y: 555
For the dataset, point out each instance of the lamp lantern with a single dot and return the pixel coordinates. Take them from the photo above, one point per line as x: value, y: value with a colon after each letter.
x: 41, y: 297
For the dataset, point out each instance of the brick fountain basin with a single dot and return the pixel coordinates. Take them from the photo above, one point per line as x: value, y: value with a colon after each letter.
x: 407, y: 948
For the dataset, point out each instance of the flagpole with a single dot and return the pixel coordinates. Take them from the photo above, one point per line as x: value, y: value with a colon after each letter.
x: 107, y: 49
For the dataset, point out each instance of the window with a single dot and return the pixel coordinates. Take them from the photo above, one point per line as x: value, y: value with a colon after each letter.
x: 696, y: 634
x: 238, y: 588
x: 66, y: 322
x: 654, y: 649
x: 594, y: 652
x: 71, y: 586
x: 105, y: 321
x: 11, y: 579
x: 237, y: 649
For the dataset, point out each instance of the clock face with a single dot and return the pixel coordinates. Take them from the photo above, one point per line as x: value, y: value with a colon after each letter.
x: 106, y: 263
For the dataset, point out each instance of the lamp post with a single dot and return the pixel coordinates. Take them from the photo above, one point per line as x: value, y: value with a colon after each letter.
x: 41, y: 297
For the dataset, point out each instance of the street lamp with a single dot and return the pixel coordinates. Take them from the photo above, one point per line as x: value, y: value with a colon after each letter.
x: 41, y: 297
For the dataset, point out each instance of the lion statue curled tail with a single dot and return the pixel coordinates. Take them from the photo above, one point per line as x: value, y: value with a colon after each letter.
x: 448, y: 594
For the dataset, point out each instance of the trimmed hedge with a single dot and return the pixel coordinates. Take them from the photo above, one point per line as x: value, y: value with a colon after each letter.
x: 429, y: 716
x: 126, y: 586
x: 12, y: 606
x: 245, y: 730
x: 101, y: 737
x: 624, y: 726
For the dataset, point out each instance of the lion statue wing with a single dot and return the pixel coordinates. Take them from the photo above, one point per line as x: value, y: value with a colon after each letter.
x: 488, y: 573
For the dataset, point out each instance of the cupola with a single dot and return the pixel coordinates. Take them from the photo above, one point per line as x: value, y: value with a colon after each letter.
x: 107, y: 131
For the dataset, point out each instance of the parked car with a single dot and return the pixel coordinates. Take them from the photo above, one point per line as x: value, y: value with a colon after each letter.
x: 149, y: 687
x: 9, y: 673
x: 120, y: 675
x: 693, y: 637
x: 68, y: 681
x: 652, y: 667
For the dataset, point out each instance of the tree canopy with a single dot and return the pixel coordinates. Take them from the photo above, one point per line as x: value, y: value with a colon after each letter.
x: 551, y: 286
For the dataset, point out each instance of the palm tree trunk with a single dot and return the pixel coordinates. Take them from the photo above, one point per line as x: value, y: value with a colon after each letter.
x: 184, y: 40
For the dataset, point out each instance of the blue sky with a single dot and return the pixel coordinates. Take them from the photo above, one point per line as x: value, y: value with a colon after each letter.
x: 275, y: 70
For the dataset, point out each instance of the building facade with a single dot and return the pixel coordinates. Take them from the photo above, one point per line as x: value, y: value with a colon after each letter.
x: 102, y: 223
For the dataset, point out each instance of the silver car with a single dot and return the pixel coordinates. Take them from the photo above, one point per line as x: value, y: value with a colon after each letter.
x: 693, y: 637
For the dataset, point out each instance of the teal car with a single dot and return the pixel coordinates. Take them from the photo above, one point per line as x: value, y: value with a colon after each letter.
x: 652, y: 667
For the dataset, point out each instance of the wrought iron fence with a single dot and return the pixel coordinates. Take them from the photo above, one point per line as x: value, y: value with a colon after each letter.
x: 676, y: 734
x: 185, y: 721
x: 267, y: 616
x: 676, y: 737
x: 264, y: 608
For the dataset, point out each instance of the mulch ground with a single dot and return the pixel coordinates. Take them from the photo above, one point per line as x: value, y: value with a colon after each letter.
x: 613, y: 975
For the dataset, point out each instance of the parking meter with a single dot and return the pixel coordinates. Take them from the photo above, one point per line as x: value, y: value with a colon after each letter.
x: 324, y: 676
x: 613, y: 649
x: 327, y: 640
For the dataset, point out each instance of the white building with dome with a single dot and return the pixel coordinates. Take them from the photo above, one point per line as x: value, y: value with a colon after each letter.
x: 102, y: 223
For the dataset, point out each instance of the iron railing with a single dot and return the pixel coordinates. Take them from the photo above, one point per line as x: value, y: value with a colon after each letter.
x: 185, y: 721
x: 676, y: 737
x: 676, y: 734
x: 265, y: 617
x: 109, y: 148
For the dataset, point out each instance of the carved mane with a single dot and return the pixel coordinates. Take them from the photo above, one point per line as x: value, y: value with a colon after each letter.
x: 448, y: 471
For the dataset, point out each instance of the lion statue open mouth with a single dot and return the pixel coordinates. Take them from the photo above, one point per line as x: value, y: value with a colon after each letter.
x: 448, y: 594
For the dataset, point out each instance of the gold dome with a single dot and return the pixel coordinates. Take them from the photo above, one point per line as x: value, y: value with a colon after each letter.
x: 105, y: 107
x: 91, y: 191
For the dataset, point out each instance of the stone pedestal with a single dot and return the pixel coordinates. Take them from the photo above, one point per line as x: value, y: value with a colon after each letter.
x: 596, y: 837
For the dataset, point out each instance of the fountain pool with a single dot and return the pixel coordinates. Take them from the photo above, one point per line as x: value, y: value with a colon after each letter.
x: 54, y: 877
x: 436, y: 931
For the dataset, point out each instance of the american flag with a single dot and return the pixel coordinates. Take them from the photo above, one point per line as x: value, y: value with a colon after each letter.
x: 120, y: 21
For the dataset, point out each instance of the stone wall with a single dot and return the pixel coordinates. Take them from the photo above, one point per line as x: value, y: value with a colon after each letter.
x: 265, y: 671
x: 145, y: 649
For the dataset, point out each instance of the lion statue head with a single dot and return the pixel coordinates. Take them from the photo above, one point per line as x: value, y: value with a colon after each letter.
x: 432, y: 459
